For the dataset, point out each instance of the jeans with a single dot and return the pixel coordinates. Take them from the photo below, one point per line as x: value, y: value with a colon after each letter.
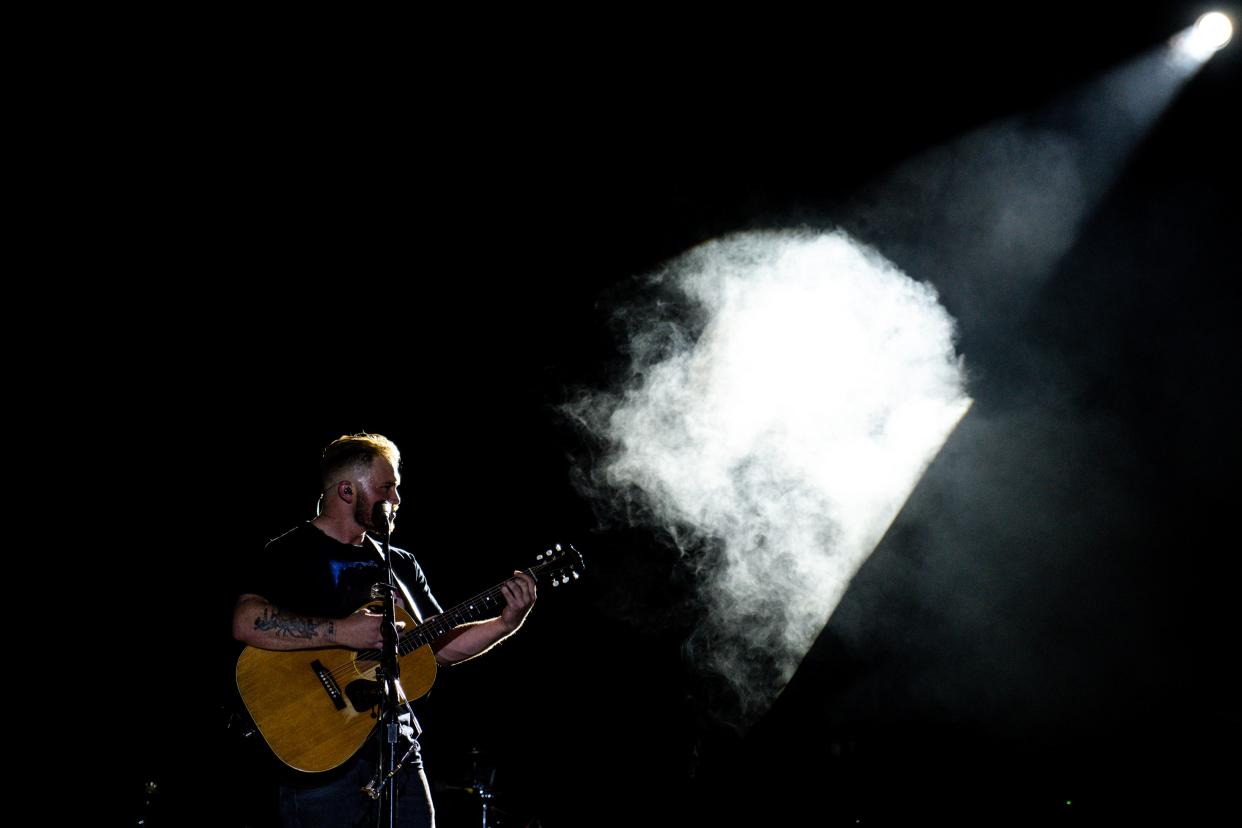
x: 340, y: 803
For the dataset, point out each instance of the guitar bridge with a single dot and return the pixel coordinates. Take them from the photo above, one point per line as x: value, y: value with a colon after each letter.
x: 329, y: 684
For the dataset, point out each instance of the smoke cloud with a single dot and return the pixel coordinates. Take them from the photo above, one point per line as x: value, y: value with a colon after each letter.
x: 786, y: 391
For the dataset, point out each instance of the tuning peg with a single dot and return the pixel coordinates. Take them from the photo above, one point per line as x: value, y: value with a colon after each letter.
x: 575, y: 574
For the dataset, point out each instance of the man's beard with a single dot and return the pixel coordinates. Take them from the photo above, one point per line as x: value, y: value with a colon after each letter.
x: 364, y: 515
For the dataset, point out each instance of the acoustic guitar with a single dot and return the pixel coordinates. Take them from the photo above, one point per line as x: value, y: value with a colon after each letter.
x: 316, y: 708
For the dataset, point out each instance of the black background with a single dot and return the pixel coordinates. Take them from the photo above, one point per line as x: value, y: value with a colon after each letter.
x: 421, y: 231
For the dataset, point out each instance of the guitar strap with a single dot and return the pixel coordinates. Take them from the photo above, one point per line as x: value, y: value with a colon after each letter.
x: 413, y: 606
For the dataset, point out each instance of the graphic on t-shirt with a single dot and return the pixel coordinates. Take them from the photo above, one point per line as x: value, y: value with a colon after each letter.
x: 354, y: 576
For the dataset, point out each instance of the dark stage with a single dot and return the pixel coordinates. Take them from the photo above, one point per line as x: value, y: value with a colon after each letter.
x: 1042, y: 634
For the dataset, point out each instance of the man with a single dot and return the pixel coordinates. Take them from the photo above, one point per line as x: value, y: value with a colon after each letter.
x: 305, y: 593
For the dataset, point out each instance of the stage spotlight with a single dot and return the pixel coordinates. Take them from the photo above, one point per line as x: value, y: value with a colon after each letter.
x: 1209, y: 35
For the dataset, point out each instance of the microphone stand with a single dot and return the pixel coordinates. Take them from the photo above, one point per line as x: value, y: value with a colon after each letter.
x: 389, y: 673
x: 482, y: 788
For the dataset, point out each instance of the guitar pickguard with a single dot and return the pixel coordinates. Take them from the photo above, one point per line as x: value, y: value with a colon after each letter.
x: 363, y: 695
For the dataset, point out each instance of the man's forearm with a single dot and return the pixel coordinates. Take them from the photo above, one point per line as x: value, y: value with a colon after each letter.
x: 470, y: 640
x: 260, y: 624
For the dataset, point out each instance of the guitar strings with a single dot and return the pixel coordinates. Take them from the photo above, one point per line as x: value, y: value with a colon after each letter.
x: 403, y: 639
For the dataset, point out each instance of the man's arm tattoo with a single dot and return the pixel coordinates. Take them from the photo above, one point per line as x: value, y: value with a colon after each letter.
x: 292, y: 626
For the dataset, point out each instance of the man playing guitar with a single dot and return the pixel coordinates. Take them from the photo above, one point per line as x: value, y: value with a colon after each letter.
x: 305, y: 593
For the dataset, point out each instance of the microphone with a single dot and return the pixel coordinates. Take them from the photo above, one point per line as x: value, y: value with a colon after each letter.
x: 381, y: 515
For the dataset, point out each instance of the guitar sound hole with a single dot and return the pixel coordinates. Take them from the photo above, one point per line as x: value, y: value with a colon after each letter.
x: 363, y: 694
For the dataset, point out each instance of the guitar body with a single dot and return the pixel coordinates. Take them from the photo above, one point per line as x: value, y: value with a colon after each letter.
x: 315, y: 708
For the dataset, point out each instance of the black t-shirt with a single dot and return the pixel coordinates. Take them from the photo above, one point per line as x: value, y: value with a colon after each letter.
x: 305, y: 572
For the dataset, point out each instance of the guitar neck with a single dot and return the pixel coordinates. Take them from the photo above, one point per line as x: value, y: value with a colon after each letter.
x: 486, y: 604
x: 561, y: 561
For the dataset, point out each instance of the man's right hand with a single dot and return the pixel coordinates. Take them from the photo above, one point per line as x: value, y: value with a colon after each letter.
x: 361, y: 631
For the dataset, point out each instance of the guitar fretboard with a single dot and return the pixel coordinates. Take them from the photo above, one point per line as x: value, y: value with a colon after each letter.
x: 486, y: 604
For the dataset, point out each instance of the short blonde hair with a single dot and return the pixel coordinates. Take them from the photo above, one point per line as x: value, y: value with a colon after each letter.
x: 351, y: 451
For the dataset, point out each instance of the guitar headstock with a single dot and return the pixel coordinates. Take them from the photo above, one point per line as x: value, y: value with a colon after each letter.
x: 559, y: 564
